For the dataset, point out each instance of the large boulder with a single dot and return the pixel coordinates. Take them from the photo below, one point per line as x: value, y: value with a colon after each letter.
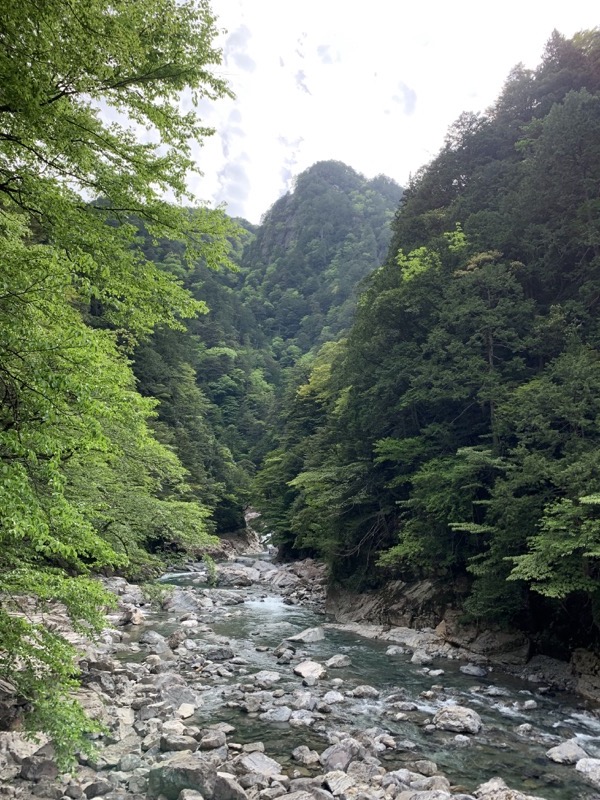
x: 364, y: 691
x: 39, y: 766
x: 569, y: 752
x: 457, y: 719
x: 227, y: 788
x: 181, y: 601
x: 309, y: 635
x: 338, y: 782
x: 279, y: 714
x: 258, y: 764
x: 184, y: 771
x: 175, y: 742
x: 236, y: 575
x: 475, y: 670
x: 310, y: 669
x: 266, y: 677
x: 220, y: 653
x: 339, y: 756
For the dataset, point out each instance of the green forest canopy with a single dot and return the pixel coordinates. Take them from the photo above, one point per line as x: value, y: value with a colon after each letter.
x: 455, y: 431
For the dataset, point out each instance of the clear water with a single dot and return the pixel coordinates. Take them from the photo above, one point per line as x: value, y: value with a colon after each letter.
x: 499, y: 750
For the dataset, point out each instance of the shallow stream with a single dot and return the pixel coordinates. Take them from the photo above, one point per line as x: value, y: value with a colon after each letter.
x: 498, y: 750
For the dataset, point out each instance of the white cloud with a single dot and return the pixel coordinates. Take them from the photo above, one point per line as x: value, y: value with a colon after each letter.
x: 375, y: 86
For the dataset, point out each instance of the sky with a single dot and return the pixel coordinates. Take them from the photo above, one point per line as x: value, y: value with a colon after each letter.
x: 373, y: 84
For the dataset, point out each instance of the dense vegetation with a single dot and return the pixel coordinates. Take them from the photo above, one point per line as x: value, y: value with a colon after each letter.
x: 456, y: 429
x: 85, y: 484
x: 221, y: 382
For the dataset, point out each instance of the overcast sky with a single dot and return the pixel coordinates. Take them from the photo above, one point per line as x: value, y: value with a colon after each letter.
x: 374, y: 84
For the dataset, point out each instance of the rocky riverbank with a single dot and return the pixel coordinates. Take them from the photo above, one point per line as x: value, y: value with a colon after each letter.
x: 400, y: 611
x: 160, y: 679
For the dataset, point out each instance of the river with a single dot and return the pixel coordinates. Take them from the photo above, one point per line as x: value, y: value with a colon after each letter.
x: 503, y: 748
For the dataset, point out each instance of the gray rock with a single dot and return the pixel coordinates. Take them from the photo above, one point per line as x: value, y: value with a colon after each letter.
x: 339, y: 756
x: 253, y: 747
x: 304, y: 700
x: 173, y: 742
x: 177, y: 638
x: 301, y: 718
x: 236, y: 575
x: 98, y: 788
x: 227, y: 788
x: 338, y: 782
x: 282, y: 648
x: 222, y: 653
x: 109, y: 757
x: 569, y: 752
x: 184, y: 771
x: 258, y: 763
x: 425, y: 767
x: 310, y: 670
x: 274, y: 791
x: 496, y: 789
x: 461, y: 740
x: 213, y: 740
x: 266, y: 678
x: 175, y: 690
x: 457, y: 719
x: 303, y: 755
x: 181, y: 601
x: 186, y: 710
x: 38, y: 767
x: 590, y: 769
x: 365, y: 691
x: 280, y: 714
x: 74, y: 791
x: 301, y: 795
x: 155, y: 641
x: 395, y: 650
x: 130, y: 762
x: 252, y: 703
x: 308, y: 635
x: 474, y: 669
x: 338, y: 661
x: 333, y: 697
x: 421, y: 658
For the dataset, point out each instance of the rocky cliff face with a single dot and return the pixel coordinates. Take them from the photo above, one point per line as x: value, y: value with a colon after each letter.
x: 433, y: 605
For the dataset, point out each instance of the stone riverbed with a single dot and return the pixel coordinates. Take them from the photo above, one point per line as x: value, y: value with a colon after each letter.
x: 246, y: 691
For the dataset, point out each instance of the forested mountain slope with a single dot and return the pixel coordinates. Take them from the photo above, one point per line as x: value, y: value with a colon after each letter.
x: 312, y: 249
x: 456, y: 431
x: 220, y: 382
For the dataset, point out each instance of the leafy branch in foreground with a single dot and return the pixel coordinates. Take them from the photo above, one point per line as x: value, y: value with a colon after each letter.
x: 83, y: 483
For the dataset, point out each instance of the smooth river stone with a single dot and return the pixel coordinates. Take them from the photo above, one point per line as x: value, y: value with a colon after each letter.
x: 569, y: 752
x: 339, y: 661
x: 310, y: 670
x: 309, y: 635
x: 457, y: 719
